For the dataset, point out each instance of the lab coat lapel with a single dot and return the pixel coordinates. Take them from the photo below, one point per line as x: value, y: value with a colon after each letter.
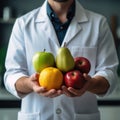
x: 46, y: 24
x: 50, y: 32
x: 75, y: 27
x: 72, y: 31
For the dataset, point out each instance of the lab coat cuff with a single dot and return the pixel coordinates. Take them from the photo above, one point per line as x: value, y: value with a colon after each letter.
x: 10, y: 85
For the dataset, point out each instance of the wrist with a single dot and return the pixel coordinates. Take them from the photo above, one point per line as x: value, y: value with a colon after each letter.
x: 23, y: 85
x: 100, y: 86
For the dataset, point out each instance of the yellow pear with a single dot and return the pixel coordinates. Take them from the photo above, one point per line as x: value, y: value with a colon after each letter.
x: 64, y: 59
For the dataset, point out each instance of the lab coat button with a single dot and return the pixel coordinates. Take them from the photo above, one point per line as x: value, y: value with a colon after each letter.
x: 52, y: 15
x: 58, y: 111
x: 61, y: 27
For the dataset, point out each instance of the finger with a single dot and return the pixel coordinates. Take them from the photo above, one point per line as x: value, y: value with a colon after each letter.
x: 57, y: 93
x: 37, y: 75
x: 34, y: 76
x: 76, y: 92
x: 49, y: 93
x: 38, y: 89
x: 88, y: 83
x: 73, y: 91
x: 35, y: 79
x: 87, y: 77
x: 67, y: 92
x: 79, y: 92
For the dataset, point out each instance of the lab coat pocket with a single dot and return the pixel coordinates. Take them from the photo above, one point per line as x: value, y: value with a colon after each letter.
x: 29, y: 116
x: 92, y: 116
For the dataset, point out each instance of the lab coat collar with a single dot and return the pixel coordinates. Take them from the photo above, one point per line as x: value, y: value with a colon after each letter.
x: 74, y: 28
x: 80, y: 14
x: 42, y: 15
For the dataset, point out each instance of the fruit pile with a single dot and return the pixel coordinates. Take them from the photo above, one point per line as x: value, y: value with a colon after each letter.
x: 64, y: 69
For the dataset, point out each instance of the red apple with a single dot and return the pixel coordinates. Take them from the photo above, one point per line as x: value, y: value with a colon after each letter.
x: 74, y: 79
x: 82, y: 64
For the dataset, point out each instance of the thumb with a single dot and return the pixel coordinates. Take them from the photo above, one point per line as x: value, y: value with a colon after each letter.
x: 87, y: 77
x: 35, y: 76
x: 88, y: 83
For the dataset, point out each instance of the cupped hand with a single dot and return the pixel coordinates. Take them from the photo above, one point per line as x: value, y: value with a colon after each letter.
x: 71, y: 92
x: 41, y: 90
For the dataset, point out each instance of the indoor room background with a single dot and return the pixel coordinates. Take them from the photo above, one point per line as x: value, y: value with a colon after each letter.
x: 12, y: 9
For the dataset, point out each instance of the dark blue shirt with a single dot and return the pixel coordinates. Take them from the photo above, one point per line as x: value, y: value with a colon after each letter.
x: 60, y: 28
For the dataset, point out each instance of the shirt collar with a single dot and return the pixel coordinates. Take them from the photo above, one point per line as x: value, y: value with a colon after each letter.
x: 52, y: 14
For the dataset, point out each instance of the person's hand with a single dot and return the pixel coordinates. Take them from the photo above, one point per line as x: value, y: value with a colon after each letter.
x: 71, y: 92
x: 96, y: 85
x: 41, y: 90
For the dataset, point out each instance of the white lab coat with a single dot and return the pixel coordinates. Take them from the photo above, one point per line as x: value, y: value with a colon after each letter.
x: 88, y: 36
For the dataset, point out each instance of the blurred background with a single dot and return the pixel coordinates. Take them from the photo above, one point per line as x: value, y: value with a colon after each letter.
x: 12, y: 9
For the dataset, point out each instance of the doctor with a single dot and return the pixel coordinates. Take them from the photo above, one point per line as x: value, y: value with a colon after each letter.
x: 86, y: 34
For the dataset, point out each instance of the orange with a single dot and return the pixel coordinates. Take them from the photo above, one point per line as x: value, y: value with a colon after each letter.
x: 51, y: 78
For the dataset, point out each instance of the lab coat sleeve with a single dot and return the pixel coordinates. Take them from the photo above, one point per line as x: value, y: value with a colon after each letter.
x: 107, y: 60
x: 16, y: 65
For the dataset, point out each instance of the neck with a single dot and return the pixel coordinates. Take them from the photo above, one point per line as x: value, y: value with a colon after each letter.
x: 61, y: 8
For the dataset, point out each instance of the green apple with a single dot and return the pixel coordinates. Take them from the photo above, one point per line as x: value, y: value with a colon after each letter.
x: 42, y: 60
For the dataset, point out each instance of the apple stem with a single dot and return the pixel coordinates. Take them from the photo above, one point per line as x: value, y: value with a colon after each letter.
x: 44, y: 50
x: 72, y: 74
